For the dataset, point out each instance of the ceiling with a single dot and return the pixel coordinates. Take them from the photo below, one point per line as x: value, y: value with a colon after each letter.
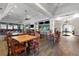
x: 17, y: 12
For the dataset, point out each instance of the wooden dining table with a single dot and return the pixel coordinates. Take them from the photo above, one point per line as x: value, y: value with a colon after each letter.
x: 24, y: 38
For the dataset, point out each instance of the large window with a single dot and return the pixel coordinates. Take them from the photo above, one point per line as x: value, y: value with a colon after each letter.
x: 44, y: 26
x: 3, y: 26
x: 21, y: 26
x: 15, y: 27
x: 10, y: 26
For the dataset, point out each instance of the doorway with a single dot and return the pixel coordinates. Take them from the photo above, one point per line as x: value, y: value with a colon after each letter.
x: 67, y: 29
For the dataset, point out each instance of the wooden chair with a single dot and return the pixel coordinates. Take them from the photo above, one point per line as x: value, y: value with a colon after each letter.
x: 57, y: 36
x: 14, y: 47
x: 17, y: 48
x: 33, y: 34
x: 7, y: 36
x: 34, y: 46
x: 9, y: 46
x: 37, y: 34
x: 51, y: 39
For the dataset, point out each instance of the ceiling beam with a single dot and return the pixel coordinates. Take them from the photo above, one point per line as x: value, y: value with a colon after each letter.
x: 41, y: 7
x: 57, y: 6
x: 8, y: 8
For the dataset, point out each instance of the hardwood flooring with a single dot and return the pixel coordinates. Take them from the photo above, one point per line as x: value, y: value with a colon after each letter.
x: 68, y: 46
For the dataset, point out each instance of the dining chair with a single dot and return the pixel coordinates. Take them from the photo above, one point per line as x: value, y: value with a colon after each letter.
x: 17, y: 48
x: 6, y: 38
x: 9, y: 45
x: 34, y: 46
x: 14, y: 47
x: 57, y: 36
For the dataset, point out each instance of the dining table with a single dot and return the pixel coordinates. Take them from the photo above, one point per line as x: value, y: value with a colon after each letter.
x: 25, y: 39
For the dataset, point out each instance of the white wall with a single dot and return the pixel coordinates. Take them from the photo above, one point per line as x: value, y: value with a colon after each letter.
x: 74, y: 22
x: 52, y: 22
x: 58, y: 25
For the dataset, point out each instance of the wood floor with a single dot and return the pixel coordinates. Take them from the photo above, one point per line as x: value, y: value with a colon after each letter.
x: 68, y: 46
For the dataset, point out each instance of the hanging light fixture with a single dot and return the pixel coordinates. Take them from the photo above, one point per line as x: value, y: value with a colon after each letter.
x: 1, y: 8
x: 27, y: 17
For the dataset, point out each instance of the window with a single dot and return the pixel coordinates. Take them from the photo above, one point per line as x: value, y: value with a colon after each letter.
x: 21, y: 26
x: 3, y: 26
x: 10, y: 27
x: 15, y: 27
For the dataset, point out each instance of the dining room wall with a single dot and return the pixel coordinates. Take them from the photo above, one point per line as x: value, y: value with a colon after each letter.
x: 73, y: 22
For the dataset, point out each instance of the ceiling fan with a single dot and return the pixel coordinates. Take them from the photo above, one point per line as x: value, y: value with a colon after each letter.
x: 27, y: 16
x: 1, y: 8
x: 27, y: 19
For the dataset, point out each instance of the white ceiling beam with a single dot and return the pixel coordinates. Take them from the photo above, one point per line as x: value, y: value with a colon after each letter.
x: 41, y: 7
x: 57, y: 6
x: 8, y: 8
